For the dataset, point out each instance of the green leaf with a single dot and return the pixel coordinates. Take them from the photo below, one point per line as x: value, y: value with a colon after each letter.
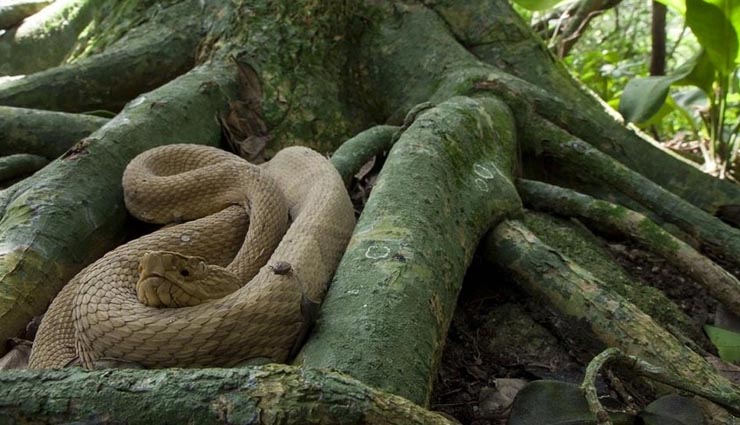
x: 677, y: 5
x: 538, y: 4
x: 672, y: 410
x: 664, y: 111
x: 556, y: 403
x: 643, y: 97
x: 716, y: 24
x: 702, y: 72
x: 727, y: 342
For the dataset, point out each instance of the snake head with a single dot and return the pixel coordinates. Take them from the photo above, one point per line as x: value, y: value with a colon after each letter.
x: 170, y: 279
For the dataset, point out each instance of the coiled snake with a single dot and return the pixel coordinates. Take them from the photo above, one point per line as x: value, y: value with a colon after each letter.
x: 101, y: 313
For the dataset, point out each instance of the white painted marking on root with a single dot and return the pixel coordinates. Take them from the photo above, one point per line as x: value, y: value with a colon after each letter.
x: 482, y: 185
x: 482, y: 171
x: 375, y: 252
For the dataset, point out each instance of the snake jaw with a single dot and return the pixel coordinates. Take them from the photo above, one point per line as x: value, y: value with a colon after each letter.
x: 170, y: 279
x: 165, y: 276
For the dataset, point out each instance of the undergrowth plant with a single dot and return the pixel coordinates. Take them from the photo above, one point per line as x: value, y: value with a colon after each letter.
x: 710, y: 98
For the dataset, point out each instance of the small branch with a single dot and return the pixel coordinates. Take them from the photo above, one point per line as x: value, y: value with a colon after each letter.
x: 356, y: 151
x: 577, y: 25
x: 642, y: 368
x: 589, y: 386
x: 633, y: 225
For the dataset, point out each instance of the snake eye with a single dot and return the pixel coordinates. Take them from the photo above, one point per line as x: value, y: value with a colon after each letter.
x: 184, y: 272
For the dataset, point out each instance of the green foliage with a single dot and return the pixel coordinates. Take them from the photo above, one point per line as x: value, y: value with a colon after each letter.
x: 538, y: 4
x: 716, y: 24
x: 727, y: 342
x: 612, y: 50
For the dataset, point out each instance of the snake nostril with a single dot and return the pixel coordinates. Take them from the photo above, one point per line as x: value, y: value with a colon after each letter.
x: 184, y: 273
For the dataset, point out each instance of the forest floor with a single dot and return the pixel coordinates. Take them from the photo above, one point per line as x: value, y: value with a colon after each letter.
x: 484, y: 365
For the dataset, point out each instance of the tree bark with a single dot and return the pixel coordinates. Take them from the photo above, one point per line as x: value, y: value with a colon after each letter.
x: 145, y: 58
x: 657, y: 31
x: 43, y: 133
x: 44, y: 39
x: 385, y: 318
x: 13, y: 12
x: 270, y: 394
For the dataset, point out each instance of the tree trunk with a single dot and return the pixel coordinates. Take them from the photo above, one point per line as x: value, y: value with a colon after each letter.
x: 467, y: 108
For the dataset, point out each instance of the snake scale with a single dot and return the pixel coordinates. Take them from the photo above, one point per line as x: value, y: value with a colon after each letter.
x: 114, y: 308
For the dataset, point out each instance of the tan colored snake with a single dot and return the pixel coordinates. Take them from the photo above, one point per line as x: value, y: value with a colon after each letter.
x: 99, y: 315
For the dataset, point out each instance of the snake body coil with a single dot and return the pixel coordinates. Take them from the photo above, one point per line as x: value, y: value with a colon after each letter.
x: 98, y: 314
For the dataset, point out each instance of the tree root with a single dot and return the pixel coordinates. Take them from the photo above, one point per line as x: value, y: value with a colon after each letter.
x: 14, y: 11
x: 270, y: 394
x: 605, y: 215
x: 356, y: 151
x: 574, y: 154
x: 145, y: 58
x: 445, y: 181
x: 656, y: 373
x: 528, y: 79
x: 44, y: 39
x: 44, y: 133
x: 20, y: 165
x: 575, y: 241
x: 595, y: 311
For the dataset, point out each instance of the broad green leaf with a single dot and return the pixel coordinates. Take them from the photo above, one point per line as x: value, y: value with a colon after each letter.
x: 702, y: 72
x: 716, y: 24
x: 538, y: 4
x: 677, y: 5
x: 556, y: 403
x: 664, y: 110
x: 643, y: 97
x: 672, y: 410
x: 727, y: 342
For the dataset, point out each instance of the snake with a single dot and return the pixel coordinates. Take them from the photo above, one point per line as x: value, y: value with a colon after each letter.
x: 246, y: 250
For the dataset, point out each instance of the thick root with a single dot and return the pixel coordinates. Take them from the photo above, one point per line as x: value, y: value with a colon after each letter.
x: 580, y: 299
x: 602, y: 214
